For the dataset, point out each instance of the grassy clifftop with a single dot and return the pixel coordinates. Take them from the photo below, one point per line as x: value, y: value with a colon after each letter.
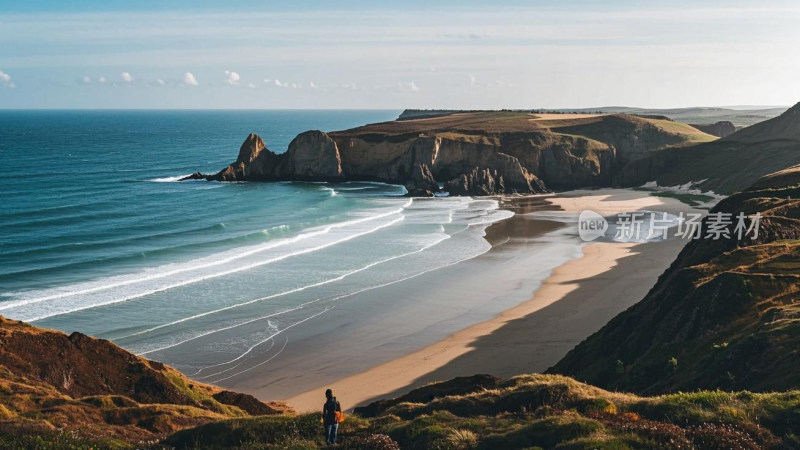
x: 606, y: 128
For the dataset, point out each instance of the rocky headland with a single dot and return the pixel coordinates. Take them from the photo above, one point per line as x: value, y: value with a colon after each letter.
x: 465, y: 153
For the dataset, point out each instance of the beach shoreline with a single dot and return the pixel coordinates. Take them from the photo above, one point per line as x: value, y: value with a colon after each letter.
x: 574, y: 300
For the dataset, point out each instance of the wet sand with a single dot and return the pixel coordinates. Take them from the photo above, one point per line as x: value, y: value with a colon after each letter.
x: 574, y: 301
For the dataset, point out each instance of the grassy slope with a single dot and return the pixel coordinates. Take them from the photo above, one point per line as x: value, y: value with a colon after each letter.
x: 79, y: 389
x: 690, y: 133
x: 533, y: 411
x: 724, y: 315
x: 727, y: 165
x: 632, y: 137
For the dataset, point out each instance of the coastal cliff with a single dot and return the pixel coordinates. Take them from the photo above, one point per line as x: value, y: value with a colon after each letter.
x: 470, y: 153
x: 723, y: 316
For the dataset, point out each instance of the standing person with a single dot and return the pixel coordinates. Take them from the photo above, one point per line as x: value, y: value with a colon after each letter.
x: 331, y: 414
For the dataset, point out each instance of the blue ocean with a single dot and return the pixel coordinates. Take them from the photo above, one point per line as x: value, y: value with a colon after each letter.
x: 98, y: 236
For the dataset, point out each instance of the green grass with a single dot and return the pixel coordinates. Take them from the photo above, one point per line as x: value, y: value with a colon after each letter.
x: 692, y: 134
x: 533, y: 411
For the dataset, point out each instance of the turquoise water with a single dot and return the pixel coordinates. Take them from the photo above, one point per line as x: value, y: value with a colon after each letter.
x: 98, y: 236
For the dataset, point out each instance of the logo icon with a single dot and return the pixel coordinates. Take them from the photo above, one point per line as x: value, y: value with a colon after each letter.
x: 591, y: 225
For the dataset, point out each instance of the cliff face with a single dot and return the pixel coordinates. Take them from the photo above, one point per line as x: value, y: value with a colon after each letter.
x: 50, y: 380
x: 471, y: 153
x: 724, y: 315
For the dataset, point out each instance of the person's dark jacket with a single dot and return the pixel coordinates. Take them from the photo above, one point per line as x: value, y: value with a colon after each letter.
x: 329, y: 411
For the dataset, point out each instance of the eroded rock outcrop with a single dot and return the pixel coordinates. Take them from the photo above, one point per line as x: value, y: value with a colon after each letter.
x: 313, y: 155
x: 422, y: 183
x: 477, y: 182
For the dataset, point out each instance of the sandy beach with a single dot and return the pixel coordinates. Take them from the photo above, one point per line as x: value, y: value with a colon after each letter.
x: 575, y: 300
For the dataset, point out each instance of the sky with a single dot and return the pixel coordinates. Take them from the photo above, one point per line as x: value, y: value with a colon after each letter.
x: 393, y: 55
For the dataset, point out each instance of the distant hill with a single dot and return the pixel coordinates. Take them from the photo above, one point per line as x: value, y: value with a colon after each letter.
x: 738, y: 116
x: 102, y: 395
x: 725, y: 315
x: 725, y: 166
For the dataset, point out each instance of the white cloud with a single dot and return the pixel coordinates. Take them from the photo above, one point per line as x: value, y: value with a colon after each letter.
x: 102, y: 80
x: 285, y: 84
x: 251, y: 85
x: 190, y: 80
x: 126, y: 77
x: 160, y: 82
x: 233, y: 77
x: 87, y: 80
x: 6, y: 78
x: 312, y: 85
x: 409, y: 86
x: 472, y: 79
x: 344, y: 86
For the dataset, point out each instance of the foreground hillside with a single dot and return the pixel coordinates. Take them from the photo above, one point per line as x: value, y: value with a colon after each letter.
x: 529, y: 411
x: 96, y: 392
x: 727, y: 165
x: 472, y: 153
x: 724, y: 315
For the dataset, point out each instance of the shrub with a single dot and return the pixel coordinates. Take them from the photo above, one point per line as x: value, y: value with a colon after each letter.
x: 462, y: 439
x: 373, y: 442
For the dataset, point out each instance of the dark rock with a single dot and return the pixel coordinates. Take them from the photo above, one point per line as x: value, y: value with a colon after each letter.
x: 478, y: 182
x: 194, y: 176
x: 422, y: 183
x: 250, y: 149
x: 313, y: 155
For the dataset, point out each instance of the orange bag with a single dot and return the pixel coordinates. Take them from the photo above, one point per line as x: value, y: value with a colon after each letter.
x: 339, y: 417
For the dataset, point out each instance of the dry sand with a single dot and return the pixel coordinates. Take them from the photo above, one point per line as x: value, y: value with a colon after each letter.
x: 576, y: 300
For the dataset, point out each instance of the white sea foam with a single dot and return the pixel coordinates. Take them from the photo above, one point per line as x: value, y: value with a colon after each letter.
x: 169, y: 179
x: 81, y: 304
x: 171, y: 270
x: 236, y: 325
x: 269, y: 297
